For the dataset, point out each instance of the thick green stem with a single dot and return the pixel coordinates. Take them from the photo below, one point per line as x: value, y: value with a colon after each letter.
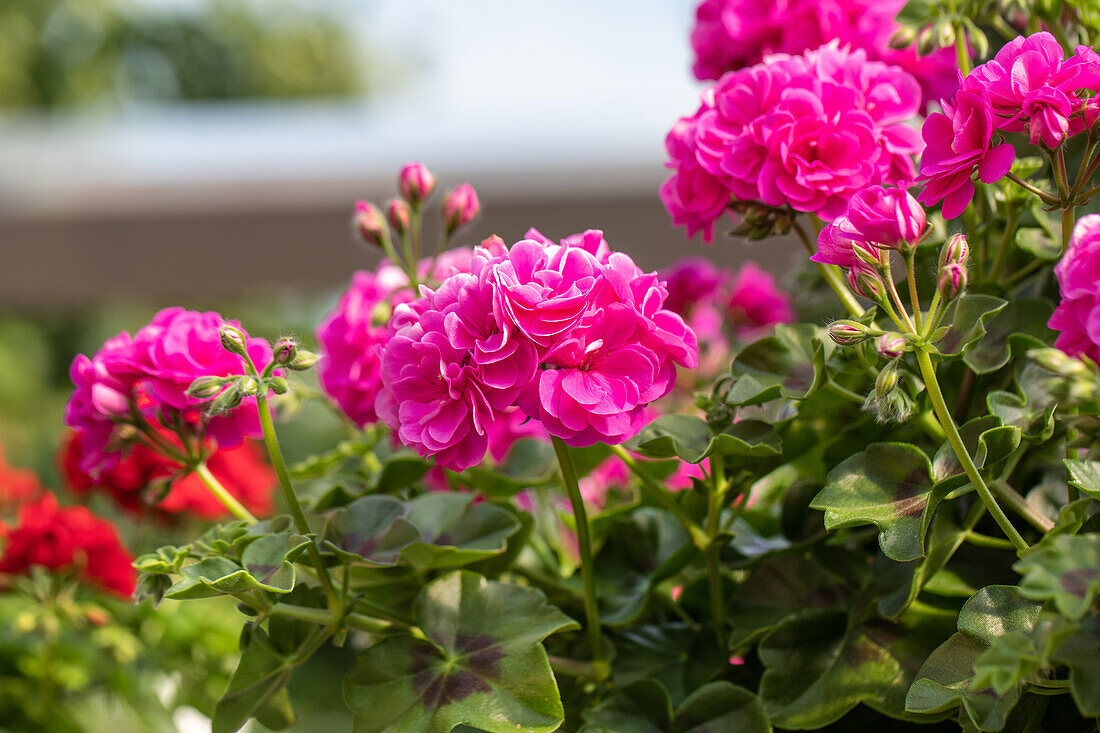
x: 832, y: 276
x: 655, y: 492
x: 1068, y: 221
x: 235, y: 507
x: 325, y: 618
x: 939, y: 405
x: 584, y: 543
x: 715, y: 501
x: 962, y: 50
x: 275, y: 453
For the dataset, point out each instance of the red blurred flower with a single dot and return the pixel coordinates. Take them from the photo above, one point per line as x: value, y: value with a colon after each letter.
x: 17, y: 486
x: 56, y: 537
x: 240, y: 469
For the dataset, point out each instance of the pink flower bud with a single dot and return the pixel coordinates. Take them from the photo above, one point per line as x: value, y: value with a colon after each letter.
x: 891, y: 345
x: 460, y: 207
x: 955, y: 251
x: 416, y: 182
x: 953, y: 279
x: 399, y: 215
x: 865, y: 281
x: 369, y: 223
x: 848, y: 333
x: 284, y: 351
x: 495, y: 245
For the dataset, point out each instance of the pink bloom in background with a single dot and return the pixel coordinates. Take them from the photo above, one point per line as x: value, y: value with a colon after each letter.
x: 1077, y: 317
x: 692, y: 281
x: 960, y: 141
x: 351, y: 340
x: 732, y: 34
x: 806, y: 131
x: 151, y: 373
x: 756, y: 304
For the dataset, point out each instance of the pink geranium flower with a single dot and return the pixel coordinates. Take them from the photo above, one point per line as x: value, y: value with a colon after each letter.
x: 1077, y: 317
x: 756, y: 304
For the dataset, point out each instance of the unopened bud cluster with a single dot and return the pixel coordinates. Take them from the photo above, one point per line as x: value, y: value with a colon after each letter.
x: 952, y: 277
x: 1076, y: 380
x: 759, y: 221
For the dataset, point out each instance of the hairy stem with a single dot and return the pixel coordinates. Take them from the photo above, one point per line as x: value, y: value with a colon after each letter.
x: 584, y: 543
x: 1045, y: 196
x: 237, y: 509
x: 928, y: 373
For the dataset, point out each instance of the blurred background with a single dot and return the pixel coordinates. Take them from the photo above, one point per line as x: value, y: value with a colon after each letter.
x: 208, y: 153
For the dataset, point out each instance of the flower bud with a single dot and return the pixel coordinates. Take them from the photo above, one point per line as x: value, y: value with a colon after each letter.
x: 887, y: 380
x: 868, y: 255
x: 460, y: 207
x: 369, y: 223
x: 865, y: 281
x: 1059, y: 362
x: 848, y: 333
x: 226, y: 401
x: 891, y: 345
x: 416, y: 183
x: 952, y: 280
x: 926, y: 41
x: 945, y: 34
x: 303, y: 360
x: 904, y: 37
x: 495, y: 245
x: 278, y: 385
x: 284, y: 351
x: 399, y: 215
x: 956, y: 250
x: 234, y: 340
x: 204, y: 388
x: 248, y: 386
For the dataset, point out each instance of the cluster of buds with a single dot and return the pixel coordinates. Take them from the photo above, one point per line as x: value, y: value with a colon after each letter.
x: 759, y: 221
x: 416, y: 185
x: 890, y: 402
x: 1076, y: 381
x: 952, y: 277
x: 226, y: 393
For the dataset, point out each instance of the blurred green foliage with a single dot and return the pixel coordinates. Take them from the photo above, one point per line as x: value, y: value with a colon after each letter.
x: 64, y: 53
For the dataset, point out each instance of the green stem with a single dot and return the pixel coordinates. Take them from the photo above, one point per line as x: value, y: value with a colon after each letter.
x: 981, y: 540
x: 1019, y: 504
x: 715, y: 501
x: 1046, y: 197
x: 1089, y: 164
x: 1068, y: 220
x: 584, y: 543
x: 275, y: 453
x: 572, y: 667
x: 235, y: 507
x: 914, y: 297
x: 325, y: 618
x: 931, y: 426
x: 962, y: 50
x: 939, y: 405
x: 831, y: 274
x: 1006, y: 242
x: 888, y: 278
x: 655, y: 492
x: 844, y: 392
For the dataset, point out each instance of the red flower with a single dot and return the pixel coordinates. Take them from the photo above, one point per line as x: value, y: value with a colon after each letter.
x: 56, y: 537
x: 240, y: 469
x: 17, y: 486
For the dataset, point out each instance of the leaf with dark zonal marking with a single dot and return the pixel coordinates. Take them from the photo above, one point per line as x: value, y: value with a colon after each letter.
x: 482, y: 664
x: 968, y: 319
x: 691, y: 439
x: 790, y: 364
x: 455, y: 531
x: 373, y: 529
x: 945, y: 680
x: 1064, y: 569
x: 888, y: 485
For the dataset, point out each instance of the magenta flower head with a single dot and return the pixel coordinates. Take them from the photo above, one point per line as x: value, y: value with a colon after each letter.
x: 416, y: 183
x: 960, y: 141
x: 690, y: 281
x: 1077, y: 317
x: 876, y: 217
x: 351, y: 339
x: 756, y: 303
x: 460, y: 207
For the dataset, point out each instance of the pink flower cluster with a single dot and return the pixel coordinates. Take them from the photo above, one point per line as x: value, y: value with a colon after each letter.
x: 1077, y: 317
x: 574, y: 334
x: 733, y: 34
x: 146, y: 377
x: 806, y: 131
x: 1030, y: 86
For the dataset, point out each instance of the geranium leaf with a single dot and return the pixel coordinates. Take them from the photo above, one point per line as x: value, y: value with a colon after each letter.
x: 529, y: 462
x: 888, y: 485
x: 1081, y: 653
x: 790, y: 364
x: 691, y: 439
x: 400, y: 470
x: 968, y: 319
x: 269, y: 559
x: 372, y: 529
x: 640, y: 707
x: 819, y: 665
x: 260, y: 677
x: 455, y: 531
x: 1036, y: 424
x: 1085, y: 475
x: 1019, y: 326
x: 987, y: 441
x: 481, y: 665
x: 944, y: 539
x: 944, y: 681
x: 1064, y: 569
x: 680, y: 658
x: 721, y: 706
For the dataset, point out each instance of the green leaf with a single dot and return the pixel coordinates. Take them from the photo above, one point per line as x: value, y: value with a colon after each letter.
x: 673, y: 654
x: 481, y: 665
x: 789, y: 364
x: 260, y: 677
x: 1066, y: 570
x: 1019, y: 326
x: 530, y: 462
x: 988, y: 443
x: 819, y: 665
x: 888, y: 485
x: 640, y: 707
x: 1085, y: 475
x: 455, y: 531
x: 968, y: 319
x: 721, y: 706
x: 945, y: 538
x: 1035, y: 423
x: 690, y: 438
x: 945, y: 680
x: 277, y: 713
x: 1081, y: 653
x: 373, y: 529
x: 269, y: 559
x: 399, y: 471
